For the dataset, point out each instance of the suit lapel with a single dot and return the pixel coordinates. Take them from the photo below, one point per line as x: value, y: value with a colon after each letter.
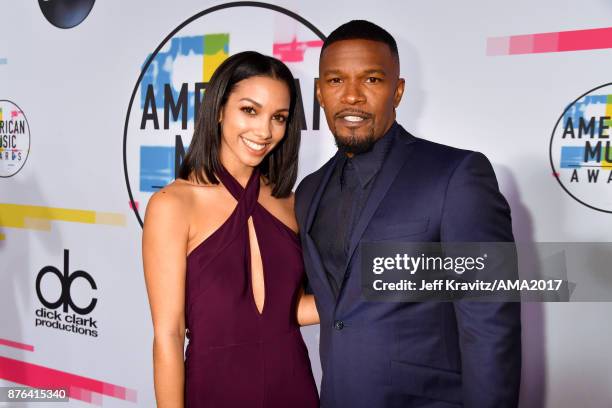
x: 397, y: 156
x: 312, y: 251
x: 321, y: 184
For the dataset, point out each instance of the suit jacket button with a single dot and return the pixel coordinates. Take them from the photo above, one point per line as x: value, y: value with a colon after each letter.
x: 338, y: 325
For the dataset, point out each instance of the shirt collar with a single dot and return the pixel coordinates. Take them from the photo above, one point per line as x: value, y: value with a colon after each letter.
x: 369, y: 163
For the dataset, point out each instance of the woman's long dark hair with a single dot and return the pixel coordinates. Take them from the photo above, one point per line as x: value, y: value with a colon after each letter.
x: 202, y: 158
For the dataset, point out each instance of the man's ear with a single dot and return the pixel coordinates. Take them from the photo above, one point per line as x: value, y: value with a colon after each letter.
x: 318, y: 93
x: 399, y: 92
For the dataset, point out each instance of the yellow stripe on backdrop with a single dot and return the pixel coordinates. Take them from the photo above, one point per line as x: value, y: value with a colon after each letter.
x: 39, y: 218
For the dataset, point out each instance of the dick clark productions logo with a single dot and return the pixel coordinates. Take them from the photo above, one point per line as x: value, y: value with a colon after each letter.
x: 63, y: 319
x: 580, y: 149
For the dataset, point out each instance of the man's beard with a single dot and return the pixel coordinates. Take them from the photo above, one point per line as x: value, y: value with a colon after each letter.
x: 355, y: 145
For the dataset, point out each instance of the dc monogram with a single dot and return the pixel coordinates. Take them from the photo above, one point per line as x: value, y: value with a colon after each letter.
x: 66, y: 279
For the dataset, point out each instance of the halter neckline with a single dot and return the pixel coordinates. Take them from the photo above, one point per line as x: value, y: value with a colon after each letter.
x: 235, y: 188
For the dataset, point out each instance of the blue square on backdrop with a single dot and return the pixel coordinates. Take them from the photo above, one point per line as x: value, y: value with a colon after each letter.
x: 571, y: 157
x: 156, y: 167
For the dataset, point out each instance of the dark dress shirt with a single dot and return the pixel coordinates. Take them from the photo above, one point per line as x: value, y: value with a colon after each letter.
x: 343, y: 199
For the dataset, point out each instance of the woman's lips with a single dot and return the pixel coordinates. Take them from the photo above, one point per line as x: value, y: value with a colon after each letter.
x: 255, y: 148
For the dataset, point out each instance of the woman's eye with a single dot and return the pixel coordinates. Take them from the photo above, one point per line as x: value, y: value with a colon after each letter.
x: 248, y: 109
x: 280, y: 118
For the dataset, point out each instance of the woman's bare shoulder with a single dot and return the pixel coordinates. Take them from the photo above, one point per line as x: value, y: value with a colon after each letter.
x: 287, y: 203
x: 181, y: 197
x: 281, y: 207
x: 173, y: 197
x: 174, y: 200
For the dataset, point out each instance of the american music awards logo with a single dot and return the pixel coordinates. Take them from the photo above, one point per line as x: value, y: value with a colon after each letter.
x: 581, y: 149
x: 14, y: 138
x: 172, y: 84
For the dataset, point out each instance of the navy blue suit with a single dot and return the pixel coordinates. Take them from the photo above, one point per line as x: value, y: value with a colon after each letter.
x: 430, y: 354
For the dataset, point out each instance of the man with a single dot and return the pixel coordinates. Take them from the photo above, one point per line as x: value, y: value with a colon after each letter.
x: 385, y: 184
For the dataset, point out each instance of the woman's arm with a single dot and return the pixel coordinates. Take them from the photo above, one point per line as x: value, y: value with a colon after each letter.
x: 307, y: 313
x: 283, y: 209
x: 164, y: 244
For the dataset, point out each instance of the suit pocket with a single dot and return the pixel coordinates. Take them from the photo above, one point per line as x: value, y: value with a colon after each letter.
x: 385, y: 230
x: 422, y: 381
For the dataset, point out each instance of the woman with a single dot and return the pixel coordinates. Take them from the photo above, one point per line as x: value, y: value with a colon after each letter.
x: 222, y: 259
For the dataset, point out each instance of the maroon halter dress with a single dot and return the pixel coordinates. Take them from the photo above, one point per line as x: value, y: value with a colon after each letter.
x: 238, y: 357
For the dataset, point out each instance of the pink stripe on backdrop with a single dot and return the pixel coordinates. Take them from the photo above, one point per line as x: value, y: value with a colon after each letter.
x: 10, y: 343
x: 577, y: 40
x: 546, y: 42
x: 85, y: 395
x: 294, y: 51
x: 521, y: 44
x: 498, y: 46
x: 79, y: 387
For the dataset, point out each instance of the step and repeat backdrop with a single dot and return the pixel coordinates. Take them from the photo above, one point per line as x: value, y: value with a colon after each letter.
x: 97, y: 106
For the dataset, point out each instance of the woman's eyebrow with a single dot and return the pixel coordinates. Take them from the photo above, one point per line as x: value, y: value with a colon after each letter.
x: 252, y: 101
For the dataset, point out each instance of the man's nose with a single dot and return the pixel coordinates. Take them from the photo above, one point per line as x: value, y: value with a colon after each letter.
x: 353, y: 94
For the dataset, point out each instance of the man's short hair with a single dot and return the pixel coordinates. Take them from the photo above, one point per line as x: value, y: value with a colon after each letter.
x: 361, y: 30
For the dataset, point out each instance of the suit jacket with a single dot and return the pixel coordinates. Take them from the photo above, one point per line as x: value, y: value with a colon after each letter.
x: 427, y: 354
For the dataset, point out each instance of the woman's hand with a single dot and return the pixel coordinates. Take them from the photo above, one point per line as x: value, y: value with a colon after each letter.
x: 307, y: 313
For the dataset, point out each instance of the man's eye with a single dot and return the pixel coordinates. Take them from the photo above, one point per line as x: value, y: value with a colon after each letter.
x: 334, y: 80
x: 248, y: 109
x: 373, y: 79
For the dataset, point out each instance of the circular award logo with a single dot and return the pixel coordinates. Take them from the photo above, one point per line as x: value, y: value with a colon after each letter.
x: 172, y: 84
x: 14, y: 138
x: 581, y: 151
